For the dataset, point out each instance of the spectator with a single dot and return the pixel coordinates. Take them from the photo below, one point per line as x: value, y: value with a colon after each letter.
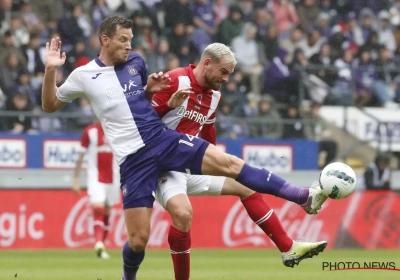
x: 342, y: 92
x: 205, y: 23
x: 386, y: 36
x: 323, y: 58
x: 247, y: 56
x: 293, y: 128
x: 285, y: 15
x: 231, y: 26
x: 18, y: 30
x: 262, y: 20
x: 268, y: 122
x: 248, y: 10
x: 372, y: 45
x: 290, y: 44
x: 312, y: 43
x: 377, y: 175
x: 18, y: 103
x: 9, y: 73
x: 308, y: 12
x: 158, y: 60
x: 221, y: 10
x: 279, y: 80
x: 93, y: 49
x: 317, y: 129
x: 270, y: 43
x: 226, y: 127
x: 100, y: 12
x: 235, y: 96
x: 7, y: 47
x: 70, y: 29
x: 367, y: 19
x: 33, y: 56
x: 25, y: 87
x: 177, y: 11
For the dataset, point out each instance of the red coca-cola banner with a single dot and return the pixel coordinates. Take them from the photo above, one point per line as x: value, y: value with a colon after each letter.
x: 60, y: 219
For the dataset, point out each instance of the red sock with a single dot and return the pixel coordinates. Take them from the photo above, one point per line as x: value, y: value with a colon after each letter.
x: 179, y: 243
x: 98, y: 224
x: 267, y: 220
x: 106, y: 221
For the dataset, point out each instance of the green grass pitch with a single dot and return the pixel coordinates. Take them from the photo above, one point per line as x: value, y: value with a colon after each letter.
x: 206, y: 264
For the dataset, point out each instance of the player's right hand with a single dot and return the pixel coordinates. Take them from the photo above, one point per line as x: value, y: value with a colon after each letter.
x: 53, y: 57
x: 76, y: 187
x: 179, y: 97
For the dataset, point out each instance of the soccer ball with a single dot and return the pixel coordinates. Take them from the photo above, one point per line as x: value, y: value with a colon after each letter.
x: 337, y: 180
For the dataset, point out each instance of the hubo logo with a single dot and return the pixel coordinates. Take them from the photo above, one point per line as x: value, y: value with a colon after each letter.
x: 276, y: 157
x: 60, y: 154
x: 12, y: 153
x: 125, y: 91
x: 191, y: 115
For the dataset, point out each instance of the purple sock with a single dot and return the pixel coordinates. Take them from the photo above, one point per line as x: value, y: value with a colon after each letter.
x: 132, y: 261
x: 264, y: 181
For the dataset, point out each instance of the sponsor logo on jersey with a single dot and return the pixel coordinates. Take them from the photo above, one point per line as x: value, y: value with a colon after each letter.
x: 126, y: 91
x: 132, y: 70
x: 12, y: 153
x: 192, y: 115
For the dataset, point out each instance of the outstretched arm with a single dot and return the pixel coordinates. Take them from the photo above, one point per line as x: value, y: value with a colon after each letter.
x: 53, y: 60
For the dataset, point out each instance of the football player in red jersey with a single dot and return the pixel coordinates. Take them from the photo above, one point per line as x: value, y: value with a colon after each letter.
x: 102, y: 181
x: 195, y: 116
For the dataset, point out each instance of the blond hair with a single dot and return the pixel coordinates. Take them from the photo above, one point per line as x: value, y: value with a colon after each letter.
x: 217, y: 51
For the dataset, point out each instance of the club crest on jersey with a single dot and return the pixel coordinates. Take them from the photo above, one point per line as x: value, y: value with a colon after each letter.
x: 199, y: 98
x: 132, y: 70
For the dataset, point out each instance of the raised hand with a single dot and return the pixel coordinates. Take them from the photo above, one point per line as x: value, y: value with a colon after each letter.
x: 53, y: 57
x: 179, y: 97
x: 158, y: 82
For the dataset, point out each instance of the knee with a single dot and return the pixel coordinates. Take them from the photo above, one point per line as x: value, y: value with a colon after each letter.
x: 138, y: 241
x: 234, y: 166
x: 182, y: 218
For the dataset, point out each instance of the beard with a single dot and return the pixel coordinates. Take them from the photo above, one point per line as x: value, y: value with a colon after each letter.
x: 212, y: 83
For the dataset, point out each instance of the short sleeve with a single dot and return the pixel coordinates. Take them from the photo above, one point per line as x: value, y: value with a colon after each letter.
x: 84, y: 140
x: 71, y: 88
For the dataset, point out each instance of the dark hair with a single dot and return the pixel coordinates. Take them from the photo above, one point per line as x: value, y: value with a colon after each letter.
x: 109, y: 26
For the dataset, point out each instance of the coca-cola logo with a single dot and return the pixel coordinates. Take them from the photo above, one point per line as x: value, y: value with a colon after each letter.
x: 383, y: 213
x: 78, y: 226
x: 239, y: 229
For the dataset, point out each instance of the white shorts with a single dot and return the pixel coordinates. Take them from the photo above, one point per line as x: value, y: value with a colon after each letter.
x: 173, y: 183
x: 104, y: 193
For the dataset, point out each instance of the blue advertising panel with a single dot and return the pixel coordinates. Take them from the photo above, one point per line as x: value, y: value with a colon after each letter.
x: 60, y: 151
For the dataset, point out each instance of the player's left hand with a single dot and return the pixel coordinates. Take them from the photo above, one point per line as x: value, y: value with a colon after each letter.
x: 179, y: 97
x: 157, y: 82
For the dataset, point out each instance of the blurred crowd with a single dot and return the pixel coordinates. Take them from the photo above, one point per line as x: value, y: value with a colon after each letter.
x: 332, y: 52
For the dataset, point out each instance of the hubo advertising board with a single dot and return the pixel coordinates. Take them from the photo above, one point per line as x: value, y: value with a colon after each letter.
x: 48, y: 151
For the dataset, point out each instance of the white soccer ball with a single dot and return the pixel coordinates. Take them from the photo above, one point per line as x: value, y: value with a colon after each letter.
x: 337, y: 180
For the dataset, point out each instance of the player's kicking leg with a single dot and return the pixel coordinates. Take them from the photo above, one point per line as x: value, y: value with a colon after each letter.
x: 259, y: 211
x: 217, y: 163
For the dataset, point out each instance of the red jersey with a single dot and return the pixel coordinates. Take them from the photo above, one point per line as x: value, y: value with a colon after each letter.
x: 197, y: 114
x: 101, y: 166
